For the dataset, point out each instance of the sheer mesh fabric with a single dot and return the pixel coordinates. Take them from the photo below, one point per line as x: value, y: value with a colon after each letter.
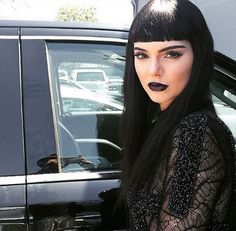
x: 194, y: 191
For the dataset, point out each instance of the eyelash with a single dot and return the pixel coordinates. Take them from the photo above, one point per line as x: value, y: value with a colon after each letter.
x: 169, y: 54
x: 140, y: 55
x: 173, y: 54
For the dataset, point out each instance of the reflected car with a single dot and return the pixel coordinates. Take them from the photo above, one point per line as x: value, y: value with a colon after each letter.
x: 116, y: 87
x: 63, y: 74
x: 77, y: 100
x: 92, y: 79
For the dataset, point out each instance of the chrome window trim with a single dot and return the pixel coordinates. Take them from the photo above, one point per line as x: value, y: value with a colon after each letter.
x: 9, y: 37
x: 98, y: 113
x: 12, y: 180
x: 70, y: 37
x: 97, y: 140
x: 71, y: 176
x: 12, y: 215
x: 225, y: 72
x: 53, y: 107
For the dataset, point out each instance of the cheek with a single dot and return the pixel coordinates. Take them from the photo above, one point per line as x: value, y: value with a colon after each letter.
x: 183, y: 74
x: 188, y: 71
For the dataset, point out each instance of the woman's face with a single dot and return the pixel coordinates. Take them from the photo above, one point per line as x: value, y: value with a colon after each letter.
x: 163, y: 68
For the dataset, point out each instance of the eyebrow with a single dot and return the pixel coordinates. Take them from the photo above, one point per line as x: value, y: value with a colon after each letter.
x: 163, y: 49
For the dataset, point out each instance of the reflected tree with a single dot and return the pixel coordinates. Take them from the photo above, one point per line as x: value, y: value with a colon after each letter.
x: 77, y: 13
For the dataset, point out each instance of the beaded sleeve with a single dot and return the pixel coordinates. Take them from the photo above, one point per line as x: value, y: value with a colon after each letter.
x: 195, y: 193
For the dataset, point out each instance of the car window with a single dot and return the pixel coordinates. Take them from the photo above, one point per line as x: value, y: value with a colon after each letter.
x: 224, y: 98
x: 86, y: 108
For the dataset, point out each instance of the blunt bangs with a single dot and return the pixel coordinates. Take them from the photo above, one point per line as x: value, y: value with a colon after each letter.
x: 161, y: 22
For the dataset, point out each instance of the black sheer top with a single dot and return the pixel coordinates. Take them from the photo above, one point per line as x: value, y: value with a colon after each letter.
x: 194, y: 190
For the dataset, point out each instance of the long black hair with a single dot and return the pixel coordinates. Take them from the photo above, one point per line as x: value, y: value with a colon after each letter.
x: 162, y: 20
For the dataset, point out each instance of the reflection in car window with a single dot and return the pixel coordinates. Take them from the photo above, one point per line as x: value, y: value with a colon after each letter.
x: 86, y: 82
x: 225, y: 104
x: 226, y: 113
x: 90, y: 76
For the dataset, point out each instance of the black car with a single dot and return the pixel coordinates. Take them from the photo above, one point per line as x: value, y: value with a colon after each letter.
x: 60, y: 153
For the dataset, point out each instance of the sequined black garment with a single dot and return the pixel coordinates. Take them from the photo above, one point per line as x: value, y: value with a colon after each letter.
x: 195, y: 191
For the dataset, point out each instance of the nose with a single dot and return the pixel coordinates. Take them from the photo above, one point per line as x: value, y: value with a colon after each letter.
x: 155, y: 68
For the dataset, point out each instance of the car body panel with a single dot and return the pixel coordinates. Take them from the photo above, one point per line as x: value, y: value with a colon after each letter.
x: 71, y: 202
x: 12, y: 164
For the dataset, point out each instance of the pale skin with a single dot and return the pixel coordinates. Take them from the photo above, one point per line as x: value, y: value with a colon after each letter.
x: 168, y: 63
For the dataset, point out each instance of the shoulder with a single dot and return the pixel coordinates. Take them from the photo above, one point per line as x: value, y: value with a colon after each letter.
x: 192, y: 130
x: 203, y: 132
x: 192, y: 133
x: 194, y: 120
x: 209, y: 127
x: 199, y: 125
x: 204, y: 120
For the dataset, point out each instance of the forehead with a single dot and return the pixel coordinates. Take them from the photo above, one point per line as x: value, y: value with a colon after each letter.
x: 162, y: 44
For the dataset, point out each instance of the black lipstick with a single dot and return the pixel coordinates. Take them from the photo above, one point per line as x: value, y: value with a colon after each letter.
x: 154, y: 86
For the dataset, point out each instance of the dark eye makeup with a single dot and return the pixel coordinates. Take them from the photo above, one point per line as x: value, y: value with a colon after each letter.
x: 173, y: 54
x: 140, y: 55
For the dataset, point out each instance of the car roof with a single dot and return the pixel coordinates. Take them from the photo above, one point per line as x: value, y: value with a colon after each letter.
x: 60, y: 24
x: 55, y: 28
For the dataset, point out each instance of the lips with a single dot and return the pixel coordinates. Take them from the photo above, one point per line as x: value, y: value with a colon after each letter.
x: 154, y: 86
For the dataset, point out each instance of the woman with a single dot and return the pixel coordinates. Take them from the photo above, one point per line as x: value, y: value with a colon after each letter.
x: 178, y: 171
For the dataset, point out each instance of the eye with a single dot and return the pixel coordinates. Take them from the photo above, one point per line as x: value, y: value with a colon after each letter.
x: 173, y: 54
x: 140, y: 55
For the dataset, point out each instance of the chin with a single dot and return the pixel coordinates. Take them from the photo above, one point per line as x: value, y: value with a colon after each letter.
x: 154, y: 100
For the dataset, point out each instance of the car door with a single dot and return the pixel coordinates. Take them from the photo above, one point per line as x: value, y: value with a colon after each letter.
x: 12, y: 164
x: 71, y: 133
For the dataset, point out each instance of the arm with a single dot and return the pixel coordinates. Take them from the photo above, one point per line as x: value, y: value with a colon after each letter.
x: 194, y: 177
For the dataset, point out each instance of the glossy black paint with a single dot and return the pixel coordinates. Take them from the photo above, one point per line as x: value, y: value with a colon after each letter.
x: 225, y: 62
x: 12, y: 159
x: 39, y: 132
x: 12, y: 189
x: 67, y: 204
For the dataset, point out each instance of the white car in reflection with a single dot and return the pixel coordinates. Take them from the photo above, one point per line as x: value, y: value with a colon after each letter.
x: 77, y: 99
x: 227, y: 114
x: 92, y: 79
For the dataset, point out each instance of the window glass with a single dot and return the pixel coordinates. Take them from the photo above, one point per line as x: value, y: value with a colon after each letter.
x: 86, y: 82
